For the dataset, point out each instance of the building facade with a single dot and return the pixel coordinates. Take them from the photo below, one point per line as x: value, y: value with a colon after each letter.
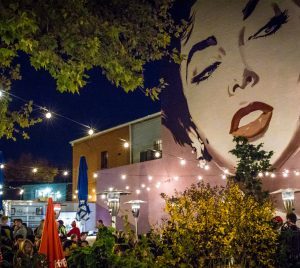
x: 133, y: 142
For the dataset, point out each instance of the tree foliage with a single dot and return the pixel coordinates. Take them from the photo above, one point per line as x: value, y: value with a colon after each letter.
x: 20, y: 171
x: 252, y: 160
x: 216, y: 227
x: 69, y: 38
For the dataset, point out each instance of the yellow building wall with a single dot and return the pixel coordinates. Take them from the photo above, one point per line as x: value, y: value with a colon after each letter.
x: 91, y: 148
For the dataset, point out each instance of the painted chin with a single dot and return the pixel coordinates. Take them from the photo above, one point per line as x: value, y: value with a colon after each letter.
x: 254, y: 128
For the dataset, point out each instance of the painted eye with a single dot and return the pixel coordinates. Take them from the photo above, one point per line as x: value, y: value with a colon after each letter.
x: 272, y: 26
x: 206, y: 73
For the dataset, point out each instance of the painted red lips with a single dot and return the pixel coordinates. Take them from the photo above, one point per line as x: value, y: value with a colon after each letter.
x: 255, y: 127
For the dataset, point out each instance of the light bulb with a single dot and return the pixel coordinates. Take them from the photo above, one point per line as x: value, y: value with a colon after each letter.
x: 157, y: 154
x: 90, y: 131
x: 297, y: 173
x: 150, y: 178
x: 138, y: 191
x: 2, y: 166
x: 90, y: 197
x: 206, y: 167
x: 176, y: 178
x: 48, y: 115
x: 76, y: 191
x: 199, y: 178
x: 267, y: 173
x: 34, y: 170
x: 95, y: 175
x: 126, y: 144
x: 157, y: 185
x: 223, y: 176
x: 143, y: 185
x: 127, y: 187
x: 273, y: 175
x: 93, y: 190
x: 182, y: 162
x: 123, y: 177
x: 260, y: 174
x: 74, y: 196
x: 66, y: 173
x: 148, y: 189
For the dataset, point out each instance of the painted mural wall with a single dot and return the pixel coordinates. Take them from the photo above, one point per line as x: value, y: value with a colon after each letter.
x: 240, y: 77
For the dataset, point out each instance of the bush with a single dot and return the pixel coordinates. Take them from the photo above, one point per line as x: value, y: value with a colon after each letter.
x: 209, y: 227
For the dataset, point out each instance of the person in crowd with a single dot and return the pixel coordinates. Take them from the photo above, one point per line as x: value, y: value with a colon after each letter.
x: 84, y: 244
x: 19, y: 228
x: 17, y: 242
x: 99, y: 224
x: 291, y: 219
x: 26, y: 257
x: 74, y: 230
x: 62, y: 232
x: 29, y: 229
x: 38, y: 231
x: 6, y: 231
x: 82, y: 237
x: 70, y: 245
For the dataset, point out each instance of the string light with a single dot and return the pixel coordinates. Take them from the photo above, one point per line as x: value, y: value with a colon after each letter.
x: 138, y: 191
x: 157, y: 154
x: 1, y: 94
x: 126, y: 144
x: 74, y: 196
x: 21, y: 191
x: 34, y: 170
x: 127, y: 187
x: 267, y: 173
x: 176, y: 178
x: 95, y: 175
x: 157, y: 185
x: 226, y: 171
x: 148, y: 189
x: 182, y: 162
x: 224, y: 177
x: 297, y: 173
x: 90, y: 131
x: 199, y: 178
x: 1, y: 192
x: 206, y: 167
x: 2, y: 166
x: 48, y: 115
x: 273, y: 175
x: 110, y: 189
x: 76, y: 191
x: 90, y: 197
x: 94, y: 190
x: 260, y: 174
x: 103, y: 196
x: 150, y: 178
x: 123, y: 177
x: 143, y: 185
x: 66, y: 173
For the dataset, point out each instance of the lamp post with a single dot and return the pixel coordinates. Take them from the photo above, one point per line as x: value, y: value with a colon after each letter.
x: 135, y: 209
x: 112, y: 197
x: 288, y: 197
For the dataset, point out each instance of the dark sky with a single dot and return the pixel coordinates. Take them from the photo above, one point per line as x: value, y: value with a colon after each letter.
x: 99, y: 104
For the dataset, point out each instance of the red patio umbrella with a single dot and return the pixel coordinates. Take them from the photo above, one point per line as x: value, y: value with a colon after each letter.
x: 50, y: 243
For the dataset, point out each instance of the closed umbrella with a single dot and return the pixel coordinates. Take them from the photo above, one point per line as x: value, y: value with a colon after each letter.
x: 50, y: 242
x: 1, y: 182
x: 83, y: 210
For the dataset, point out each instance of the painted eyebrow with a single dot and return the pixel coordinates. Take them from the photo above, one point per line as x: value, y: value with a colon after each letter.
x: 210, y: 41
x: 249, y: 8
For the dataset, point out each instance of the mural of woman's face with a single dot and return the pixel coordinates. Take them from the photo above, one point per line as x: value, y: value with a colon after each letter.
x: 241, y: 75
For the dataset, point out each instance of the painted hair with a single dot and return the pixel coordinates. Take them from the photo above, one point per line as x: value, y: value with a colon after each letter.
x: 175, y: 113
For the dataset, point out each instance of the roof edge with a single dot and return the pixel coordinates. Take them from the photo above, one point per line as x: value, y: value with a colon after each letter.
x: 147, y: 117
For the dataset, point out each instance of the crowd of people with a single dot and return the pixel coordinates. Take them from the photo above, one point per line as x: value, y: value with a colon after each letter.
x: 20, y: 244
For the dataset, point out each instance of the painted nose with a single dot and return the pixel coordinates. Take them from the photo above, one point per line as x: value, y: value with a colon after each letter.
x: 249, y: 76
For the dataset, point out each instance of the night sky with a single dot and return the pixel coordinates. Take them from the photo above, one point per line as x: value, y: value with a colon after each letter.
x: 99, y: 104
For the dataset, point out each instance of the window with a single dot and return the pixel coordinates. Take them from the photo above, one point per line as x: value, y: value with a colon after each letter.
x: 104, y: 159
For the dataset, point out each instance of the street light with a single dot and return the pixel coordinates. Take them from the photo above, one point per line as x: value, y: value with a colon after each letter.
x: 112, y: 197
x: 135, y: 209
